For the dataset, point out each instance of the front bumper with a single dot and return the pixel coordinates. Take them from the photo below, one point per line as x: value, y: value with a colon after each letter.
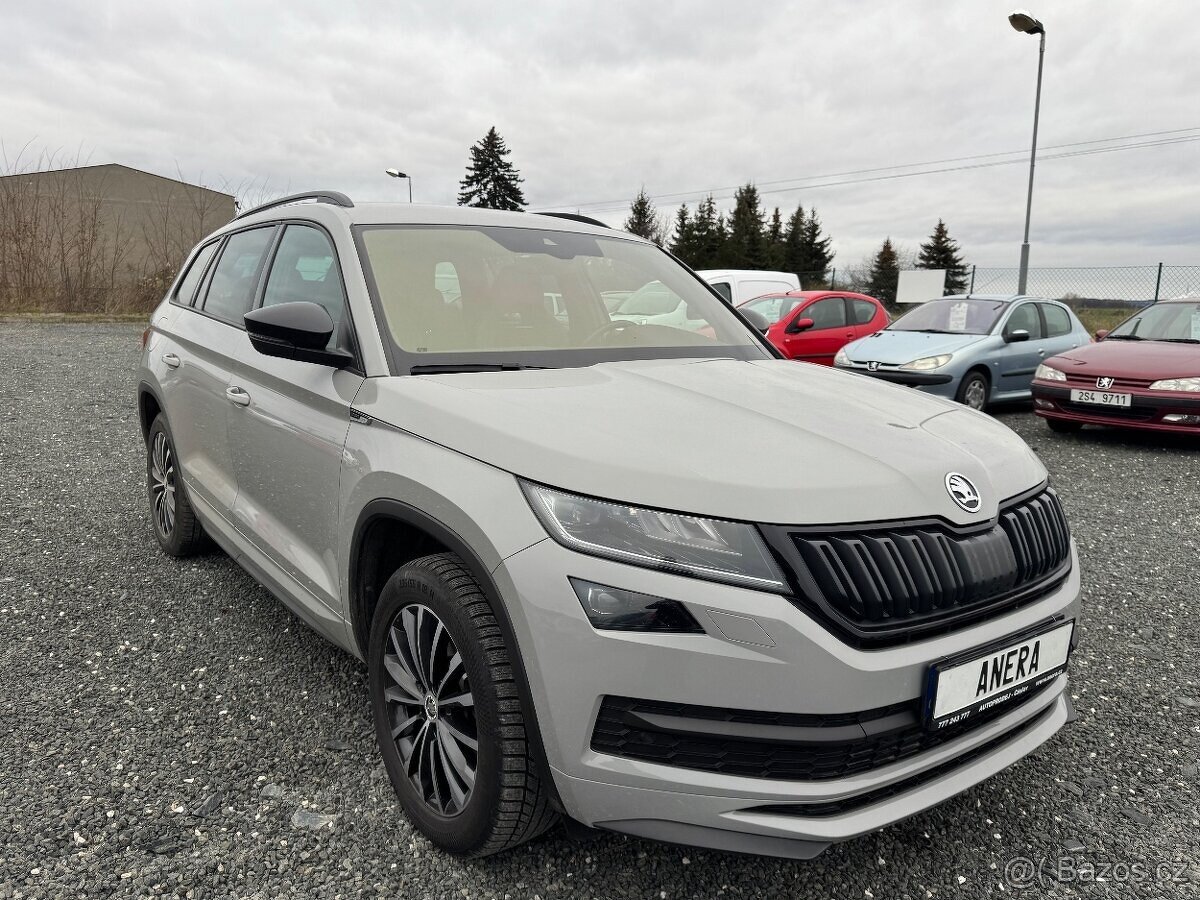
x: 1147, y: 410
x: 759, y: 652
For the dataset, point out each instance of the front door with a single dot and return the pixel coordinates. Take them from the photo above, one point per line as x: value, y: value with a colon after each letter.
x: 1020, y: 359
x: 287, y: 429
x: 830, y: 331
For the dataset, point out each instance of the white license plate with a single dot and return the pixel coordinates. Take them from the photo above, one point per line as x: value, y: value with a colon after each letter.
x: 1100, y: 398
x: 958, y: 690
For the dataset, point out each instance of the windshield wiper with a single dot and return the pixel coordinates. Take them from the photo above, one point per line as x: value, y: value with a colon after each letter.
x: 1179, y: 340
x: 1123, y: 337
x: 452, y: 368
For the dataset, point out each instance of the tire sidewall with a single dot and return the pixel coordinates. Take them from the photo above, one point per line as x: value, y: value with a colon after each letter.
x: 174, y: 543
x: 966, y: 383
x: 469, y: 830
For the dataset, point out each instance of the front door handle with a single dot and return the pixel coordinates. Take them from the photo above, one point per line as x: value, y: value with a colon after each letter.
x: 171, y: 360
x: 237, y: 395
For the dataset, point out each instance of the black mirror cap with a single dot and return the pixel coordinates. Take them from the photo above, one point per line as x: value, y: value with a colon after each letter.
x: 1015, y: 337
x: 756, y: 320
x: 299, y: 330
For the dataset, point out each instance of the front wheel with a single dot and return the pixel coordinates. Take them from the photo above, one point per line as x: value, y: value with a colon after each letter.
x: 973, y: 391
x: 450, y: 724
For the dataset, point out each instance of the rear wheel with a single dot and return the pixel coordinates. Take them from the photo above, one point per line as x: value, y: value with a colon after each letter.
x: 449, y: 721
x: 973, y: 391
x: 1064, y: 426
x: 178, y: 530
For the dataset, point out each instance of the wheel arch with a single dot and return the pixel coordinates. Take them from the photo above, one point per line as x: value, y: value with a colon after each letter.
x: 149, y: 406
x: 383, y: 518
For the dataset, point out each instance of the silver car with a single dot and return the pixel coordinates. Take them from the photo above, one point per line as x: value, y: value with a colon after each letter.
x: 575, y: 599
x: 975, y: 348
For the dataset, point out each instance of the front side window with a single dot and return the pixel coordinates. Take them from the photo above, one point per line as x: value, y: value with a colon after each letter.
x: 954, y: 315
x: 305, y: 268
x: 771, y: 308
x: 187, y: 287
x: 1025, y: 318
x: 827, y: 313
x: 539, y: 298
x: 231, y: 288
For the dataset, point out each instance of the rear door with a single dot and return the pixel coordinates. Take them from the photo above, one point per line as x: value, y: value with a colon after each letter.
x: 830, y: 331
x: 1059, y: 330
x: 204, y: 339
x: 287, y: 429
x: 865, y: 317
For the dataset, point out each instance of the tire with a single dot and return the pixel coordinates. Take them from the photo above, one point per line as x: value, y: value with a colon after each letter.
x: 1064, y: 426
x: 434, y: 605
x: 973, y: 391
x: 175, y: 525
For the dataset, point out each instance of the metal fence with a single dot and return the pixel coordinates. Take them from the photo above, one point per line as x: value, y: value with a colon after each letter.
x: 1085, y: 286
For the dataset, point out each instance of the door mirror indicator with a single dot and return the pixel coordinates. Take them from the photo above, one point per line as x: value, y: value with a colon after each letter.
x: 800, y: 325
x: 299, y: 330
x: 1015, y: 337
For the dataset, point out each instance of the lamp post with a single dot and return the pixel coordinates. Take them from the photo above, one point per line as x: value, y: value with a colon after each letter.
x: 396, y: 173
x: 1027, y: 24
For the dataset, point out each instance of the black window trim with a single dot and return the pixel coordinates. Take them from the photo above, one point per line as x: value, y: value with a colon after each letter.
x: 185, y: 270
x: 212, y: 267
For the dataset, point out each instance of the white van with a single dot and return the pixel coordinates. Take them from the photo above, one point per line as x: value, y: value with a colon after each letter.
x: 740, y: 285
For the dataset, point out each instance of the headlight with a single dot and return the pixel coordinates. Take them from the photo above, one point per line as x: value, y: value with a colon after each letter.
x: 928, y: 362
x: 1176, y: 384
x: 841, y: 359
x: 1049, y: 373
x: 715, y: 549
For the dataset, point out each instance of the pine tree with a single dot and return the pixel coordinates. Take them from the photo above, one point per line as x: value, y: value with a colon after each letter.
x: 747, y: 246
x: 885, y: 273
x: 793, y: 244
x: 815, y: 252
x: 491, y: 182
x: 683, y: 242
x: 775, y: 241
x: 708, y: 235
x: 942, y: 252
x: 644, y: 220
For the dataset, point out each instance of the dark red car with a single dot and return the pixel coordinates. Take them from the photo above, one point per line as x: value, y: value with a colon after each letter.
x: 1145, y: 373
x: 812, y: 326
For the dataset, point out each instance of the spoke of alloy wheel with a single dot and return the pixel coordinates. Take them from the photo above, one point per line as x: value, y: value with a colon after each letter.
x: 458, y: 735
x: 403, y: 679
x: 453, y: 770
x: 455, y: 662
x: 453, y: 753
x: 466, y: 698
x: 438, y: 631
x: 418, y: 751
x: 435, y: 766
x: 411, y: 622
x: 405, y: 725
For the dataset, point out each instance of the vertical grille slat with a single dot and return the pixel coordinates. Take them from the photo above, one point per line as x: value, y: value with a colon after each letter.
x: 900, y: 577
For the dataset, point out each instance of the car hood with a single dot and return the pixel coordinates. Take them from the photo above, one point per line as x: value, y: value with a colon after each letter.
x: 1132, y: 359
x: 896, y: 348
x: 767, y: 441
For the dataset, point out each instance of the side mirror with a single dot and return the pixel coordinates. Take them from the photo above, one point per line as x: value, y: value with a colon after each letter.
x: 1016, y: 337
x: 1101, y: 334
x: 299, y: 330
x: 800, y: 325
x: 756, y: 320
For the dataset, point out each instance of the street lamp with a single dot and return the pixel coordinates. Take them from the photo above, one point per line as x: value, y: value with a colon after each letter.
x: 396, y: 173
x: 1027, y: 24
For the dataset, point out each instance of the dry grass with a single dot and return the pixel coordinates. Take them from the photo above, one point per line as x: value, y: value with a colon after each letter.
x: 1095, y: 319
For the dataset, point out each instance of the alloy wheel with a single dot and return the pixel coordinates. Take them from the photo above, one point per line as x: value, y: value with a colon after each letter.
x: 162, y: 484
x: 976, y: 394
x: 431, y: 710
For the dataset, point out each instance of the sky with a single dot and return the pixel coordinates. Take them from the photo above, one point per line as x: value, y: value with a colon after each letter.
x: 598, y: 100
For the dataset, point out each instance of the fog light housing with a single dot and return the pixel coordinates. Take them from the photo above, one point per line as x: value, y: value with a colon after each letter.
x: 1181, y: 419
x: 615, y: 609
x: 1042, y: 404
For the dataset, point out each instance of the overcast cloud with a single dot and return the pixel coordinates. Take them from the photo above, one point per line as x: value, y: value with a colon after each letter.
x: 597, y: 100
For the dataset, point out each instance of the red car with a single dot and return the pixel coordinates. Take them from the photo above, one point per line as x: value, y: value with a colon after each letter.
x: 812, y: 326
x: 1145, y: 373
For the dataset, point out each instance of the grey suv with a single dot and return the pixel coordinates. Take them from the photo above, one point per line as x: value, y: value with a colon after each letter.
x: 640, y: 577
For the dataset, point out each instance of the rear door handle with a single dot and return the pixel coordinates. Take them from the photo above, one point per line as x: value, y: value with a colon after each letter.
x: 237, y: 395
x: 171, y: 360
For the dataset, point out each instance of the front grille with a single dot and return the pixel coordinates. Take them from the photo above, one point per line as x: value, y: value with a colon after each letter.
x: 1125, y: 413
x: 889, y: 582
x: 765, y: 745
x: 1088, y: 383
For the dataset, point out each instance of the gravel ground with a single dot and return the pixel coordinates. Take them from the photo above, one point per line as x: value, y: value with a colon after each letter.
x: 172, y: 729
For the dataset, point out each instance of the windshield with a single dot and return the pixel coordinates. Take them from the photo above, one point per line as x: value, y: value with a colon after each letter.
x: 772, y: 308
x: 953, y: 315
x: 527, y: 297
x: 1162, y: 322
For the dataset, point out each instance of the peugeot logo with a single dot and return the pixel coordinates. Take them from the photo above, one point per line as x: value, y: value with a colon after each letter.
x: 872, y: 366
x: 963, y: 492
x: 1104, y: 382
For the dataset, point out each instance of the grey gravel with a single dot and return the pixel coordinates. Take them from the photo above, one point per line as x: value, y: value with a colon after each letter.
x: 137, y: 687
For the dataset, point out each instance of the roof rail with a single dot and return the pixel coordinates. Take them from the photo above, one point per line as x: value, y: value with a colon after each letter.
x: 574, y: 217
x: 335, y: 197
